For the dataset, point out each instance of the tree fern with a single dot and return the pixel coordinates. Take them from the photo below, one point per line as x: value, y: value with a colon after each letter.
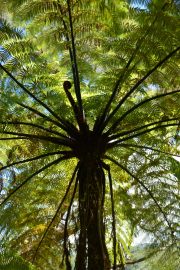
x: 89, y: 130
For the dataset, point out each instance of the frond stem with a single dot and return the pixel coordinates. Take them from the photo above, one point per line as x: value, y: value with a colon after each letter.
x: 56, y: 213
x: 54, y: 140
x: 70, y: 129
x: 148, y: 148
x: 30, y: 94
x: 13, y: 138
x: 118, y: 121
x: 35, y: 158
x: 119, y: 266
x: 66, y: 252
x: 116, y: 87
x: 33, y: 125
x: 77, y: 83
x: 147, y: 190
x: 32, y: 175
x: 78, y: 111
x: 107, y: 167
x: 113, y: 137
x: 114, y: 143
x: 131, y: 91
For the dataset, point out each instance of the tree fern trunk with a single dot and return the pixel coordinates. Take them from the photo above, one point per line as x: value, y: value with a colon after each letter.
x: 92, y: 252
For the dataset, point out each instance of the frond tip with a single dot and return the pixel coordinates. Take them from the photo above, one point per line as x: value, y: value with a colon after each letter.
x: 147, y: 190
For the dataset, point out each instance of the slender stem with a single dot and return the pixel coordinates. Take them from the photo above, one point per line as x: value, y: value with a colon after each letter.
x: 145, y: 156
x: 107, y: 167
x: 121, y: 257
x: 33, y: 125
x: 54, y: 140
x: 30, y: 94
x: 13, y: 138
x: 114, y: 143
x: 68, y: 127
x: 137, y: 47
x: 35, y: 158
x: 78, y: 111
x: 68, y: 41
x: 57, y: 211
x: 45, y: 117
x: 77, y: 83
x: 72, y: 102
x: 119, y: 120
x: 116, y: 136
x: 74, y: 107
x: 148, y: 148
x: 66, y: 224
x: 144, y: 186
x: 34, y: 174
x: 119, y: 266
x: 131, y: 91
x: 100, y: 124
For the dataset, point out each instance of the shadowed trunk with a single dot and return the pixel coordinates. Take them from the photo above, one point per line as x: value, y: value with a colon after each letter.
x: 91, y: 252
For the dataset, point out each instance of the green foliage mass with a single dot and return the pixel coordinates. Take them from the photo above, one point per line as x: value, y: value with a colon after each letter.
x: 11, y: 261
x: 122, y: 60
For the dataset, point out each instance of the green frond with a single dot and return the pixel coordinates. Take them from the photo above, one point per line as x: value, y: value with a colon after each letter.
x: 93, y: 83
x: 8, y: 31
x: 8, y: 260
